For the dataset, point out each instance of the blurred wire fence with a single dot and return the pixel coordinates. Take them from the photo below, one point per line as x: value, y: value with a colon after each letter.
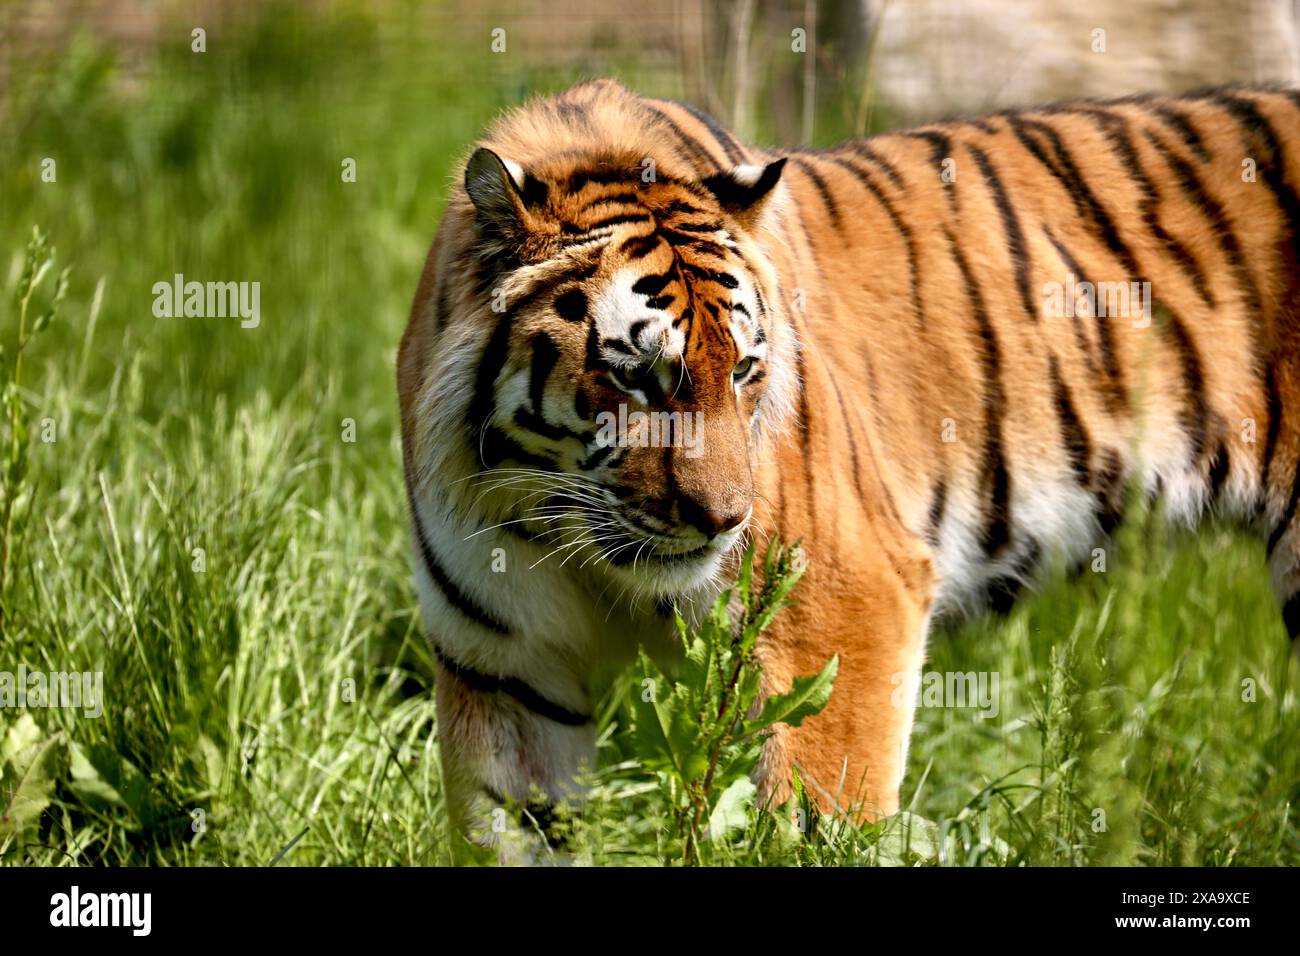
x: 780, y: 71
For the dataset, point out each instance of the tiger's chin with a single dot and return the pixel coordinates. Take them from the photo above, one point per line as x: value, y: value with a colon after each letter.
x: 668, y: 570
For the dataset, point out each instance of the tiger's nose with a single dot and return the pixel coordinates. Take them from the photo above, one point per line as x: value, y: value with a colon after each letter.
x: 710, y: 519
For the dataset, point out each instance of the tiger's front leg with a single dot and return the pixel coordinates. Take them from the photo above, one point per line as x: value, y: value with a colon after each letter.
x: 498, y: 754
x: 872, y: 608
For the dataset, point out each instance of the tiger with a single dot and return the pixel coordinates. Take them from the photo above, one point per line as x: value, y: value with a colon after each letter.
x: 936, y: 358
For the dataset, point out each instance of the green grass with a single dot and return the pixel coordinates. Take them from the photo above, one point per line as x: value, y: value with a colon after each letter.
x: 284, y: 691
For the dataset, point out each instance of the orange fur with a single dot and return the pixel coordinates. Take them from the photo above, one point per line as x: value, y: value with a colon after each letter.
x: 904, y: 279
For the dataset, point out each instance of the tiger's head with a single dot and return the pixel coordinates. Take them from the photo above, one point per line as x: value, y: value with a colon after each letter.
x: 618, y: 343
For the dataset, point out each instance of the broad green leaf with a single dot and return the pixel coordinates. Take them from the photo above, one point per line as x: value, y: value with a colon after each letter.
x: 695, y: 671
x: 208, y: 757
x: 27, y: 779
x: 19, y: 737
x: 731, y: 812
x: 87, y: 782
x: 906, y: 840
x: 806, y: 697
x: 101, y: 775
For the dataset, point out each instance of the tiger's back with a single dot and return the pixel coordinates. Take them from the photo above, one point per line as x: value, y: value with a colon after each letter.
x: 1016, y: 417
x: 952, y: 401
x: 966, y: 372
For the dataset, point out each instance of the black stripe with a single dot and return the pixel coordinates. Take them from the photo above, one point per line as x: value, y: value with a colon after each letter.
x: 450, y: 591
x: 522, y: 692
x: 995, y: 479
x: 853, y: 442
x: 570, y: 228
x: 534, y: 422
x: 1220, y: 227
x: 699, y: 155
x: 1220, y: 465
x: 848, y: 422
x: 1110, y: 492
x: 535, y: 192
x: 940, y: 143
x: 1115, y: 130
x: 618, y: 345
x: 697, y: 226
x: 683, y: 207
x: 496, y: 448
x: 735, y: 152
x: 1004, y: 589
x: 1082, y: 194
x: 596, y: 457
x: 483, y: 403
x: 705, y: 274
x: 1113, y: 390
x: 805, y: 431
x: 1020, y: 127
x: 624, y: 199
x: 1288, y: 513
x: 873, y: 391
x: 442, y: 307
x: 1195, y: 415
x: 1011, y: 224
x: 1105, y: 226
x: 1181, y: 125
x: 938, y: 506
x: 1076, y: 270
x: 820, y: 185
x: 1291, y: 616
x: 871, y: 156
x: 1073, y: 434
x: 674, y: 238
x: 593, y: 359
x: 652, y: 285
x: 603, y: 176
x: 545, y: 355
x: 1273, y: 165
x: 940, y: 150
x: 638, y: 247
x: 550, y: 284
x: 913, y: 258
x: 1274, y: 399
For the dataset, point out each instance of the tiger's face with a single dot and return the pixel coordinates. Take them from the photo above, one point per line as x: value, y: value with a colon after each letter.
x: 624, y: 385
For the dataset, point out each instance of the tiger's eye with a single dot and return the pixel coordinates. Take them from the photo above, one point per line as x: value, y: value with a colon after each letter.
x: 742, y: 368
x: 631, y: 379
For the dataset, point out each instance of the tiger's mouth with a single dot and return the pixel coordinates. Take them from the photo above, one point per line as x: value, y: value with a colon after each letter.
x: 664, y: 551
x: 634, y: 547
x: 629, y: 543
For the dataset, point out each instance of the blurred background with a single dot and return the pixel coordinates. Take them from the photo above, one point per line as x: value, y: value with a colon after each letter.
x: 920, y: 58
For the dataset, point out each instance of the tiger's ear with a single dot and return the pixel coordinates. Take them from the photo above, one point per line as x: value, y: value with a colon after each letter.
x: 500, y: 191
x: 744, y: 191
